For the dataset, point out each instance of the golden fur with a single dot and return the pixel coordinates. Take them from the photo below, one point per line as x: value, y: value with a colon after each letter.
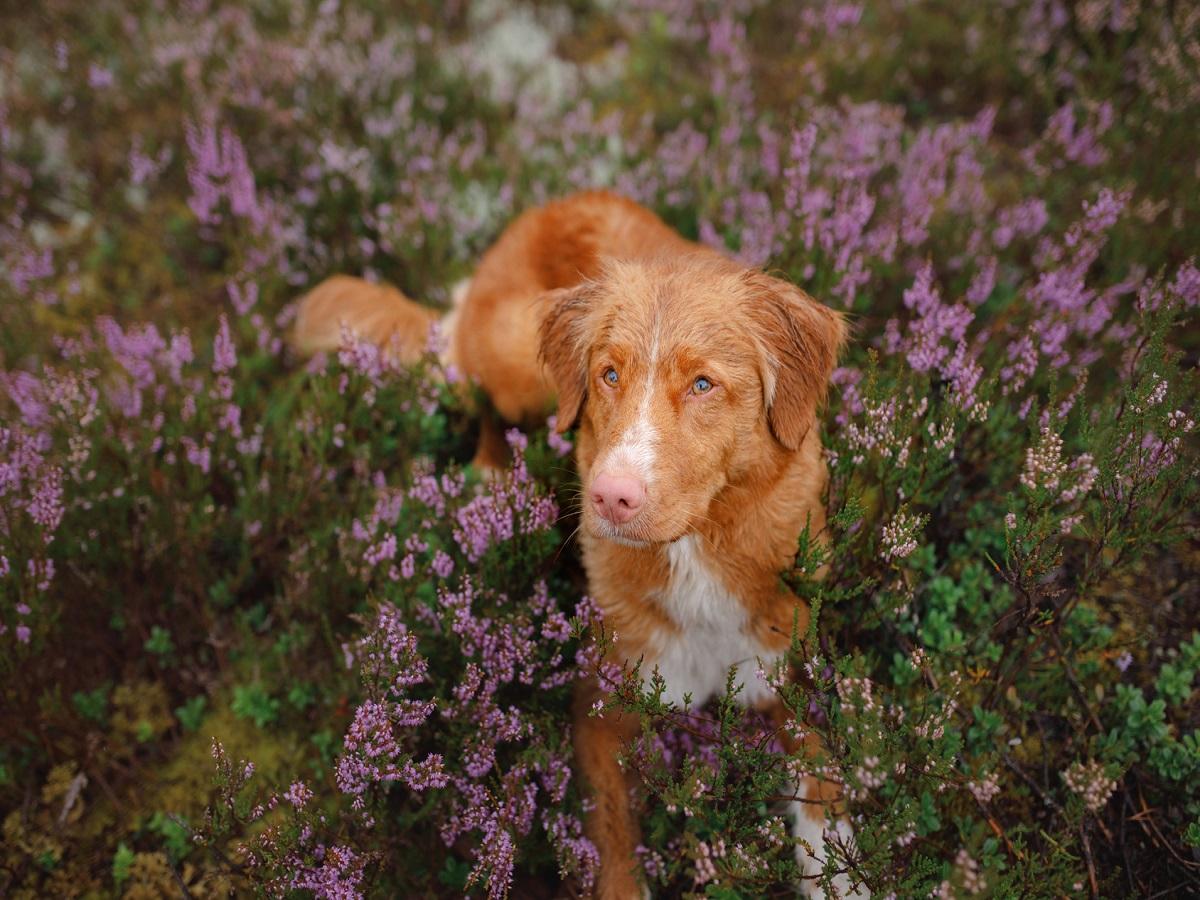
x: 594, y: 283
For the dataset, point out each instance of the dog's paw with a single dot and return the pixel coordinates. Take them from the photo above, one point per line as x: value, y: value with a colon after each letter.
x: 812, y: 851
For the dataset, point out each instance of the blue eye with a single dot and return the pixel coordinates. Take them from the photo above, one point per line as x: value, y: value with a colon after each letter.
x: 610, y: 376
x: 701, y: 385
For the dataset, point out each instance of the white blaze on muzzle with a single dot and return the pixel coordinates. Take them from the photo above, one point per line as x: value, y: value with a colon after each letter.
x: 636, y: 449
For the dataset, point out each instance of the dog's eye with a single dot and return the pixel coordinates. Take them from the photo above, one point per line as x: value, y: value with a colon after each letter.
x: 610, y: 376
x: 701, y: 385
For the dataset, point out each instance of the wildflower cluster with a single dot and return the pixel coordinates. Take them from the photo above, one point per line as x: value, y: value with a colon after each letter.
x: 1091, y: 784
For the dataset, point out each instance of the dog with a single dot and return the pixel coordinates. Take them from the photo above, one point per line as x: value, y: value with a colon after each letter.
x: 695, y: 385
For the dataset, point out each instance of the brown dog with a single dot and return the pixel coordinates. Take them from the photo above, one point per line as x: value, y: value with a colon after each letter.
x: 695, y: 383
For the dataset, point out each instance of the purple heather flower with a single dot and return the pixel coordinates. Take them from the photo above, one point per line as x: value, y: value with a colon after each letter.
x: 136, y: 350
x: 384, y: 550
x: 1186, y: 284
x: 559, y: 444
x: 242, y: 298
x: 99, y: 77
x: 337, y: 877
x: 983, y: 283
x: 224, y: 354
x: 1026, y: 219
x: 1080, y: 143
x: 29, y: 267
x: 442, y: 565
x: 143, y: 168
x: 45, y: 507
x: 219, y: 169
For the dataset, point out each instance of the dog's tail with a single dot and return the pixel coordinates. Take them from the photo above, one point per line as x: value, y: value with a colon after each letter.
x: 378, y: 313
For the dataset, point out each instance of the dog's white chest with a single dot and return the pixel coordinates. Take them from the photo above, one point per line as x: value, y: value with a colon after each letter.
x: 711, y: 634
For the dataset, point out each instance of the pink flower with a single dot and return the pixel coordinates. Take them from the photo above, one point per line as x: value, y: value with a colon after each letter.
x: 224, y: 354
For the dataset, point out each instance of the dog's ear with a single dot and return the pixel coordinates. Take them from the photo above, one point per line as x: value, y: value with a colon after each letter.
x: 563, y: 347
x: 800, y: 342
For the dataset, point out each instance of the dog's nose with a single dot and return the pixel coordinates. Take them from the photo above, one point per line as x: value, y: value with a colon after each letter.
x: 618, y: 498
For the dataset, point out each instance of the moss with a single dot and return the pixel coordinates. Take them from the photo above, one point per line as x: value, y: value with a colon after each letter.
x: 183, y: 782
x: 141, y: 714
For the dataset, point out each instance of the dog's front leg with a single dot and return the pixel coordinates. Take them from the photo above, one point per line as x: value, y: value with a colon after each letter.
x: 609, y: 824
x: 818, y: 817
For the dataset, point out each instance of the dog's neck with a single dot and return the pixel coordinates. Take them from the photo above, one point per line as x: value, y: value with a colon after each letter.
x: 753, y: 528
x: 746, y: 538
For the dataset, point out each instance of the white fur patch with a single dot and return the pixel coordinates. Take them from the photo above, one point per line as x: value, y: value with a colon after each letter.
x: 813, y: 832
x: 712, y: 638
x: 634, y: 453
x: 449, y: 323
x: 711, y: 635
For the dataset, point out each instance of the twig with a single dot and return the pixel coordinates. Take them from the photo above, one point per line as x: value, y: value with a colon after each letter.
x: 1127, y: 804
x: 1000, y: 833
x: 78, y: 783
x: 1171, y: 891
x: 107, y: 788
x: 187, y: 895
x: 1080, y: 695
x: 1046, y: 799
x: 1087, y: 855
x: 1145, y: 818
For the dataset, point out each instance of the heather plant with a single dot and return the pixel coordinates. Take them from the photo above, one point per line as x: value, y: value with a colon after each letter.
x: 266, y: 628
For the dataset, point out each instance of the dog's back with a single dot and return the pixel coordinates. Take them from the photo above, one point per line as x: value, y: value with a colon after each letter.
x: 555, y: 246
x: 373, y: 312
x: 493, y: 333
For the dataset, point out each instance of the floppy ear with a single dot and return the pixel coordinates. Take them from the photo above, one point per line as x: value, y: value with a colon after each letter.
x: 801, y: 340
x: 563, y: 348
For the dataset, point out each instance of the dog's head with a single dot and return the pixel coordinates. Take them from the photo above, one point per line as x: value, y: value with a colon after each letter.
x: 684, y: 374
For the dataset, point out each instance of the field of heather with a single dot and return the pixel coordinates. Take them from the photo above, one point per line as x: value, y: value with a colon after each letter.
x: 265, y: 629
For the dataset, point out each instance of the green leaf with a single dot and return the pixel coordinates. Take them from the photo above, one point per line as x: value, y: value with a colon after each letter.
x: 191, y: 713
x: 121, y: 863
x: 159, y: 643
x: 92, y: 705
x: 254, y: 703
